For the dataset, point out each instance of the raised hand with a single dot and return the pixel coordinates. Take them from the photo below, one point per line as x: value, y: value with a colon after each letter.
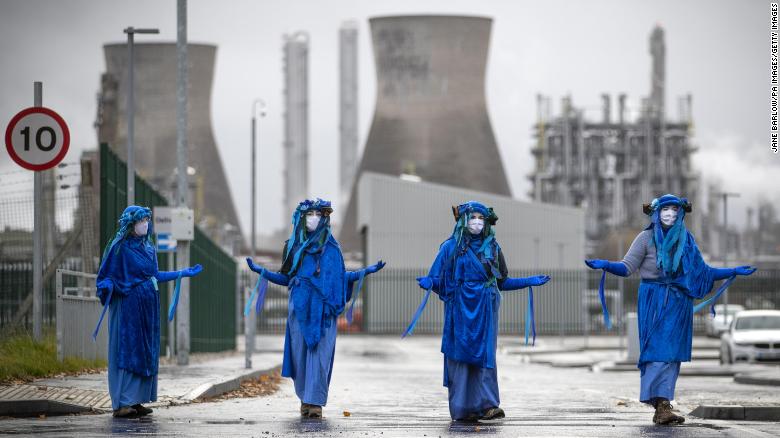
x: 375, y: 267
x: 597, y: 264
x: 192, y: 271
x: 255, y: 267
x: 744, y: 270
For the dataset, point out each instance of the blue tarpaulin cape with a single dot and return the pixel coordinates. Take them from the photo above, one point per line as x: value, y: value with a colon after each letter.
x: 126, y: 272
x: 471, y: 301
x: 318, y: 292
x: 665, y: 308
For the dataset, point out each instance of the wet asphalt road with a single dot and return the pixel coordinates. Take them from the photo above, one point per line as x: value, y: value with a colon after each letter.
x: 394, y: 388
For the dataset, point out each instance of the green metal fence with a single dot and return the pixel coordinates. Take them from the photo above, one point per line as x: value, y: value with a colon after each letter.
x: 212, y: 293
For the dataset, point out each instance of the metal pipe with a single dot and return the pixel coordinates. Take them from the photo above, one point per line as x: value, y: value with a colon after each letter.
x: 37, y: 237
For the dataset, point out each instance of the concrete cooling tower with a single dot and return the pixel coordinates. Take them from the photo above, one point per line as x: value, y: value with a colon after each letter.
x: 431, y: 117
x: 155, y: 124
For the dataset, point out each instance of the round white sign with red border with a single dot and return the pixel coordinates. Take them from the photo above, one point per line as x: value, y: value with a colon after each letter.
x: 37, y: 138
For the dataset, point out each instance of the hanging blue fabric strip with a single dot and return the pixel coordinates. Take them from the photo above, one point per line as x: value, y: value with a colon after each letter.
x: 355, y: 295
x: 248, y: 305
x: 417, y: 314
x: 711, y: 300
x: 528, y: 313
x: 607, y: 322
x: 263, y: 285
x: 102, y: 314
x: 175, y: 300
x: 533, y: 317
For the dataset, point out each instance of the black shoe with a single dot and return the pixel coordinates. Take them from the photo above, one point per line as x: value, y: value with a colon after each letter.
x: 124, y: 412
x: 142, y: 410
x: 493, y: 414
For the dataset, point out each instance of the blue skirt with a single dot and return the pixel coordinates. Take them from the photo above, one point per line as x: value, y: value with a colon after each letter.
x: 658, y: 380
x: 125, y: 387
x: 310, y: 368
x: 472, y: 389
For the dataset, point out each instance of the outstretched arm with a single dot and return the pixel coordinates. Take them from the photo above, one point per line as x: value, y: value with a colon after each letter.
x: 724, y: 273
x: 520, y: 283
x: 353, y: 276
x: 273, y: 277
x: 617, y: 268
x: 163, y: 276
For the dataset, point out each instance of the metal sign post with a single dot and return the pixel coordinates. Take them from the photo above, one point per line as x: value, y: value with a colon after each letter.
x: 37, y: 139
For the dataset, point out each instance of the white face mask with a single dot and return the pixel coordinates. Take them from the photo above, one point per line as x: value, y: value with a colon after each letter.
x: 476, y: 225
x: 141, y: 228
x: 312, y: 220
x: 668, y: 216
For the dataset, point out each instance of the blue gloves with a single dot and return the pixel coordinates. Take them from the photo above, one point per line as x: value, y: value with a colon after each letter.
x: 428, y: 282
x: 617, y: 268
x: 375, y: 268
x: 273, y: 277
x: 520, y: 283
x: 744, y: 270
x: 192, y: 271
x: 724, y: 273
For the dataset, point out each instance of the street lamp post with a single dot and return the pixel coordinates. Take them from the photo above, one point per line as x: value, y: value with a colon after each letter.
x: 726, y: 196
x: 250, y: 322
x: 131, y: 31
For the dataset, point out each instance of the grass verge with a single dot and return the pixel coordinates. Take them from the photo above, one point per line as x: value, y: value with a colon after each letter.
x: 23, y: 359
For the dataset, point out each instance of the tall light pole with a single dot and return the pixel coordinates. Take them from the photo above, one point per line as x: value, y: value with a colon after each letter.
x: 725, y: 196
x: 249, y: 329
x: 131, y: 31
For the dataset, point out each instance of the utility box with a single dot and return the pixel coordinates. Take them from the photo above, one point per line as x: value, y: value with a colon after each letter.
x: 632, y: 333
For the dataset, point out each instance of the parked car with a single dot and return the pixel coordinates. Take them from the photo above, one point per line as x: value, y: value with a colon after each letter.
x: 720, y: 323
x: 753, y: 336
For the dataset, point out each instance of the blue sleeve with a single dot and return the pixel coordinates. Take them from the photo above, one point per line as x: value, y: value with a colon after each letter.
x: 163, y: 276
x: 514, y: 283
x: 618, y: 268
x: 721, y: 273
x: 352, y: 276
x: 438, y: 271
x: 276, y: 277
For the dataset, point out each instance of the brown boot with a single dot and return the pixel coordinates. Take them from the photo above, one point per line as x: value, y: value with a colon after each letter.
x: 315, y: 411
x: 305, y: 409
x: 493, y: 414
x: 664, y: 414
x: 142, y: 410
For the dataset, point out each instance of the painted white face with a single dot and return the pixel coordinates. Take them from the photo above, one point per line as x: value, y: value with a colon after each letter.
x: 476, y: 223
x: 312, y: 220
x: 668, y: 215
x: 141, y: 227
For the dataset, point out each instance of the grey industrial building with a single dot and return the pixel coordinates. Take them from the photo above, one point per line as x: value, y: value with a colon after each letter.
x: 155, y: 127
x: 611, y: 166
x: 431, y: 118
x: 296, y: 119
x: 348, y: 106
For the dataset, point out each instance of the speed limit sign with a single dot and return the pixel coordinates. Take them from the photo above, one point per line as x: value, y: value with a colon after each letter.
x: 37, y: 138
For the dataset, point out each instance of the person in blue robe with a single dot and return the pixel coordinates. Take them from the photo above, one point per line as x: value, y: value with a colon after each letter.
x: 127, y: 284
x: 468, y: 274
x: 673, y: 274
x: 320, y: 286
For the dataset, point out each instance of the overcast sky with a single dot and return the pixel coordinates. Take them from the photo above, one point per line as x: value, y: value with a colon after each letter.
x: 716, y: 50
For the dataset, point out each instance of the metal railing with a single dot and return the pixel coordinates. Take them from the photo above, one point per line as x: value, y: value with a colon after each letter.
x: 78, y: 310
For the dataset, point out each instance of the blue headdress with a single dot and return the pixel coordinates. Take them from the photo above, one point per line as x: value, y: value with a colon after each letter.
x: 461, y: 213
x: 299, y: 240
x: 670, y: 245
x: 129, y: 217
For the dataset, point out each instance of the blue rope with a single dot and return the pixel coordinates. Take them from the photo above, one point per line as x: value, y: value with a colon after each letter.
x: 417, y: 314
x: 103, y: 313
x: 175, y: 301
x: 715, y: 297
x: 530, y: 322
x: 355, y: 295
x: 261, y: 295
x: 607, y: 321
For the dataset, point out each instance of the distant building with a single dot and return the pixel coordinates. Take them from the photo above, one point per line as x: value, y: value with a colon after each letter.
x: 296, y: 120
x: 155, y: 127
x: 610, y: 167
x: 348, y: 107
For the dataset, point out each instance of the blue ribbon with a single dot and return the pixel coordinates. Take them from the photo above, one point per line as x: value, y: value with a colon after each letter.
x: 103, y: 313
x: 603, y: 299
x: 262, y: 283
x: 417, y: 314
x: 248, y: 306
x: 175, y: 301
x: 711, y: 300
x: 530, y: 322
x: 355, y: 295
